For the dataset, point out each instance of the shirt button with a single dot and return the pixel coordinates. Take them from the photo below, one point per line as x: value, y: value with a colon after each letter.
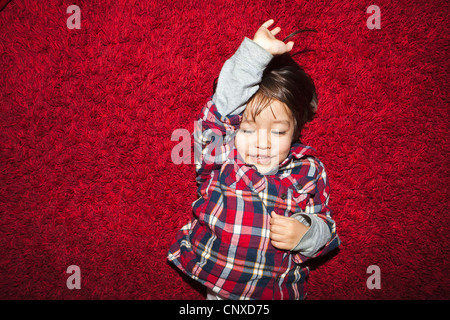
x: 283, y: 196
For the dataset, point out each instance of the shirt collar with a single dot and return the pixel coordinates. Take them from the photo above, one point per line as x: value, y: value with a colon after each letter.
x: 247, y: 174
x: 298, y: 151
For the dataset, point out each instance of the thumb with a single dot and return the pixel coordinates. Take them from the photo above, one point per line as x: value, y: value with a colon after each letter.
x: 289, y: 45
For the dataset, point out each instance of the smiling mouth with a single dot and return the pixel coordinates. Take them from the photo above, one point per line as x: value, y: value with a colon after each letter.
x: 260, y: 159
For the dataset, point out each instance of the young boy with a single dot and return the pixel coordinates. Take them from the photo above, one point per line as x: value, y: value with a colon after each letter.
x: 263, y: 207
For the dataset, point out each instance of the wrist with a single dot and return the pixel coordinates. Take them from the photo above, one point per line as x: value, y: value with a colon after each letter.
x: 262, y: 45
x: 252, y: 54
x: 301, y: 230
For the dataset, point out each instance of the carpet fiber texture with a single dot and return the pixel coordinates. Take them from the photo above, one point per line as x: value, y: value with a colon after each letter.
x: 87, y: 116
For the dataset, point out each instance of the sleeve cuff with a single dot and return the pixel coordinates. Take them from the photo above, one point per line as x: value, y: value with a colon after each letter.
x: 253, y: 55
x: 315, y: 238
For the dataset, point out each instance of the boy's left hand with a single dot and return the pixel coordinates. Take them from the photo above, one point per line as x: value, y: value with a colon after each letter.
x: 285, y: 232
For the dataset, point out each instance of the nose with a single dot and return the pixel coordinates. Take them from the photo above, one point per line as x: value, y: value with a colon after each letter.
x: 263, y: 141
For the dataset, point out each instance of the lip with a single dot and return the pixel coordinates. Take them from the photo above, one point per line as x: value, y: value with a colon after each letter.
x: 260, y: 159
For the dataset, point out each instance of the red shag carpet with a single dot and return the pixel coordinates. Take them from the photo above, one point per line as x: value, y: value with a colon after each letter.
x: 87, y: 116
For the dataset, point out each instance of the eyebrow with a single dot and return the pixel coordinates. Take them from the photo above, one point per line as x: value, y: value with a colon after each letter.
x: 282, y: 121
x: 275, y: 121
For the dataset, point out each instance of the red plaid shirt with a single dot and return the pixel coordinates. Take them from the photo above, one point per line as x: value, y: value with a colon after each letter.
x: 226, y: 245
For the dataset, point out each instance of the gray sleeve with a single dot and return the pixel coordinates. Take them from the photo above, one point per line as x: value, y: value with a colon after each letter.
x: 315, y: 238
x: 239, y: 77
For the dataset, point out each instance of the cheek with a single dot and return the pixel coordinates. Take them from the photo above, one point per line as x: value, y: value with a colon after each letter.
x: 284, y: 146
x: 241, y: 143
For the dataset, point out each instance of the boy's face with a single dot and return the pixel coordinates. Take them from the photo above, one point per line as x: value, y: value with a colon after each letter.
x: 265, y: 141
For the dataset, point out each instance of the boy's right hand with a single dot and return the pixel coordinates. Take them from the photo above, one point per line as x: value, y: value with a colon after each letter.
x: 266, y: 39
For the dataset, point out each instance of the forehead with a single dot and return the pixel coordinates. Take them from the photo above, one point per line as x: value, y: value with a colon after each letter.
x: 273, y: 111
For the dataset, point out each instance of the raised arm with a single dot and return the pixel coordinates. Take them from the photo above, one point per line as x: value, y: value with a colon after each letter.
x: 241, y: 74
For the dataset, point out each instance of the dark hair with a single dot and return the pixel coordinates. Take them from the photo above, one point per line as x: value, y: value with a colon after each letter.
x: 287, y: 82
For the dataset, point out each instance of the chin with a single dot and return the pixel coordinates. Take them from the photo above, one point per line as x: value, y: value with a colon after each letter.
x: 267, y: 169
